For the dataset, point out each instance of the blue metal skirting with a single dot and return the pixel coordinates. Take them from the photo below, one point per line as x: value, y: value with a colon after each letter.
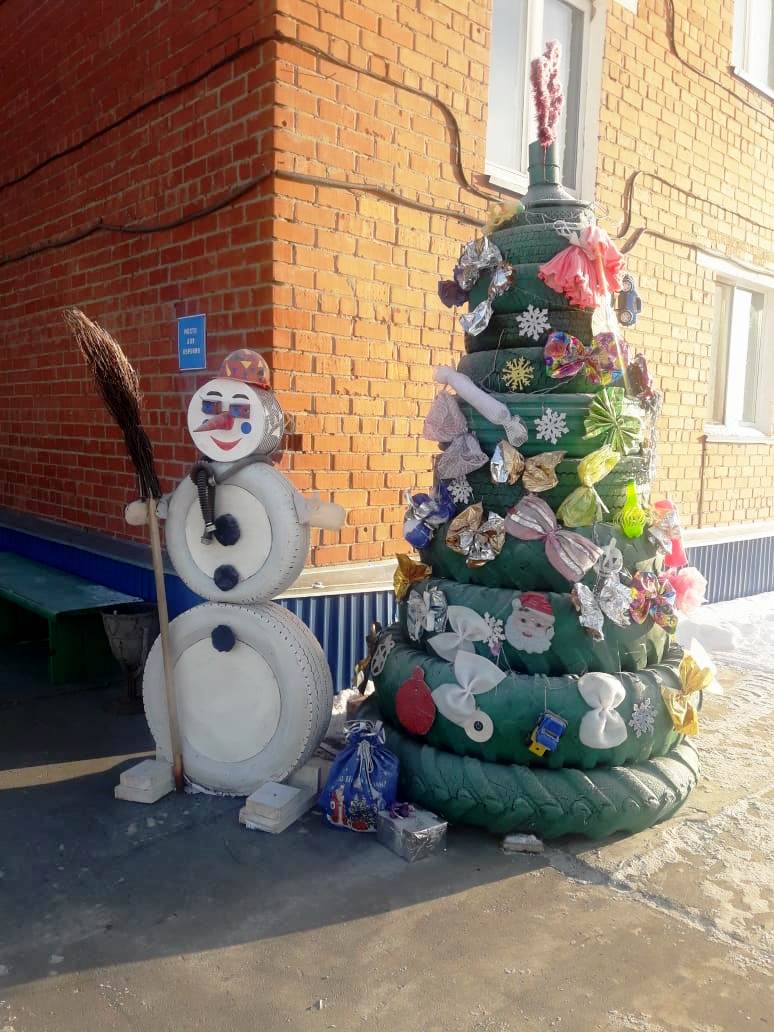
x: 735, y: 568
x: 341, y: 622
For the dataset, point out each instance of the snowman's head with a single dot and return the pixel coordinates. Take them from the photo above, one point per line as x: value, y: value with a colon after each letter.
x: 236, y: 414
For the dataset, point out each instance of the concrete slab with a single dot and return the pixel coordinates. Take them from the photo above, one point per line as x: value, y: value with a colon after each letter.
x: 116, y: 917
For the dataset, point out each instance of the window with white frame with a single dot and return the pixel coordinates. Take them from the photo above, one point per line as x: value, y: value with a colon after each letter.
x: 520, y: 29
x: 754, y: 42
x: 739, y: 400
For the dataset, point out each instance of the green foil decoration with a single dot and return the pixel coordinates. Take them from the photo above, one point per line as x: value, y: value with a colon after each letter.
x: 607, y: 418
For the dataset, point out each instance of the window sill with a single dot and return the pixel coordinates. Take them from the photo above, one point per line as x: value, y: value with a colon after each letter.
x: 716, y: 434
x: 516, y: 183
x: 760, y: 87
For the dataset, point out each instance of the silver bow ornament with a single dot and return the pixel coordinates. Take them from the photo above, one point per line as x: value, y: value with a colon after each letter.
x: 609, y: 597
x: 569, y: 553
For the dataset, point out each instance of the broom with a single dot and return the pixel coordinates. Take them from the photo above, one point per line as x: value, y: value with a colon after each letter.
x: 118, y: 386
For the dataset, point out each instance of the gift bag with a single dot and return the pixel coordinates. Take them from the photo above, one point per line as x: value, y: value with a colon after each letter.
x: 363, y: 779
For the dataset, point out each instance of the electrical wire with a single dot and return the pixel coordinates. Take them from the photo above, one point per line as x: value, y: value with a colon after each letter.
x: 671, y: 19
x: 275, y: 37
x: 102, y: 226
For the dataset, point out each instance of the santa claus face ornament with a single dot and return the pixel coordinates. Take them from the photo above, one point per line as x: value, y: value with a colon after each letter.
x: 530, y: 627
x: 236, y: 414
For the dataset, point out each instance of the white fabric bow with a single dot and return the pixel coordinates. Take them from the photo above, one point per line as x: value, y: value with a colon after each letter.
x: 475, y: 676
x: 602, y: 727
x: 467, y: 627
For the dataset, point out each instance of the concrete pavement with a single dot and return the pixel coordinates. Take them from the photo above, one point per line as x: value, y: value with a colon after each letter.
x: 121, y: 916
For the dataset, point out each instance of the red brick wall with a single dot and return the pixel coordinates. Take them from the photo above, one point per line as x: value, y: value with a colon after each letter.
x: 358, y: 323
x: 340, y: 284
x: 71, y: 69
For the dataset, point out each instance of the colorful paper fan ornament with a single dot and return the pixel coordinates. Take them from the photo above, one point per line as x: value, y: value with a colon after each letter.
x: 414, y: 704
x: 608, y: 417
x: 248, y: 367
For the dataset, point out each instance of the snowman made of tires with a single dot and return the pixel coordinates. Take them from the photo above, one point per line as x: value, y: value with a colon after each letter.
x: 253, y: 688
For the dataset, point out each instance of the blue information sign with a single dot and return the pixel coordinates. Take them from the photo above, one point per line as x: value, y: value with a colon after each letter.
x: 192, y: 342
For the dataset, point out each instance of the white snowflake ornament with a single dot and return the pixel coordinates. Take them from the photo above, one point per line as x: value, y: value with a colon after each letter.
x: 496, y: 634
x: 551, y: 426
x: 381, y: 652
x: 460, y: 490
x: 518, y: 374
x: 533, y: 322
x: 643, y: 718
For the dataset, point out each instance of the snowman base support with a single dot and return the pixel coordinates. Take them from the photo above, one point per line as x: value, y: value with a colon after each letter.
x: 274, y: 806
x: 146, y: 782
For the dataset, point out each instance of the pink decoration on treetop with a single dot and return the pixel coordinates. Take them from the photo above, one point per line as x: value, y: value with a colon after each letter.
x: 547, y: 92
x: 586, y: 271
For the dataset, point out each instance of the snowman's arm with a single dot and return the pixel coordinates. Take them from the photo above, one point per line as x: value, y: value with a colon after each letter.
x: 136, y: 512
x: 316, y: 513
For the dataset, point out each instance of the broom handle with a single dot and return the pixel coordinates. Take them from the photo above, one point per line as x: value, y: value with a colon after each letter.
x: 166, y: 650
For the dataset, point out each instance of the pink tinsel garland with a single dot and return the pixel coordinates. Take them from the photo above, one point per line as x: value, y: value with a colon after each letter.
x: 547, y: 92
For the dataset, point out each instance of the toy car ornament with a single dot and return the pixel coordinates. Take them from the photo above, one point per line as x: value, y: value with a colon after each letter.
x: 629, y: 303
x: 546, y: 733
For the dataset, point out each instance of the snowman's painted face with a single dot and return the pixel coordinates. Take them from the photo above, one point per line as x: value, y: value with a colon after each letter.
x: 226, y: 419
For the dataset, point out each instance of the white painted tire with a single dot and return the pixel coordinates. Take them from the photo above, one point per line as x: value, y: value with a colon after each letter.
x: 271, y: 551
x: 249, y: 715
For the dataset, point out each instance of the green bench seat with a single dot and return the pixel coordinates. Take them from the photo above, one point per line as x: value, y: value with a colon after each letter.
x: 71, y: 606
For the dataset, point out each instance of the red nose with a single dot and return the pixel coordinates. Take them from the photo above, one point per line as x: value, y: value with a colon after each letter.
x: 223, y: 421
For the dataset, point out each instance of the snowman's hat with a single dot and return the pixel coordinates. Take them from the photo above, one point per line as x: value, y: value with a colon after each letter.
x: 247, y: 366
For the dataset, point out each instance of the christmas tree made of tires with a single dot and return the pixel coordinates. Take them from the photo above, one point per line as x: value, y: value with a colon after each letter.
x: 532, y: 682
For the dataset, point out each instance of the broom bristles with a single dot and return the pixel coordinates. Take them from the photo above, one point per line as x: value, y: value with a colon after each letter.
x: 118, y: 386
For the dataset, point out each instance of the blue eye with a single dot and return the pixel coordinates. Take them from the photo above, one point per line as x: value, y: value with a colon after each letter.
x: 239, y: 411
x: 246, y: 428
x: 211, y: 408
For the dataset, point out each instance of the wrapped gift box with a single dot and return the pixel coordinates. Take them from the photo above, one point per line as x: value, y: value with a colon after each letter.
x: 414, y: 837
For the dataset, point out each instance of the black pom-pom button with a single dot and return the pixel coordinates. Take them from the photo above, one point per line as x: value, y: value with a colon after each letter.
x: 223, y: 638
x: 225, y: 577
x: 227, y: 530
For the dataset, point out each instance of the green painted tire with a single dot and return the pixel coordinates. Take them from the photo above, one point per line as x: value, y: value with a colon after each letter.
x: 525, y: 243
x: 506, y: 798
x: 516, y: 703
x: 572, y: 649
x: 612, y: 489
x: 530, y: 407
x: 527, y: 289
x: 522, y: 565
x: 503, y: 330
x: 485, y: 368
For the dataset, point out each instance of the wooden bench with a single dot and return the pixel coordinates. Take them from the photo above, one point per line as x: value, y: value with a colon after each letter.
x: 77, y: 646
